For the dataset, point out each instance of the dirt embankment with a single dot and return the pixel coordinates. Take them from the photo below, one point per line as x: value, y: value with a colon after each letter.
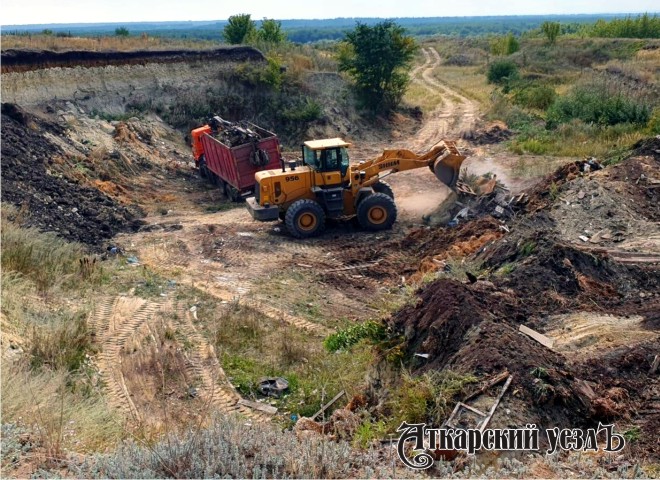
x: 25, y: 60
x: 107, y: 81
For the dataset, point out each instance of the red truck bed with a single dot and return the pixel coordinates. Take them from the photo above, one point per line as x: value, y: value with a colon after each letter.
x: 234, y: 165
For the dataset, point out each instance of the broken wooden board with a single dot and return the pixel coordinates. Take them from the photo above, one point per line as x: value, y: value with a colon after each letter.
x: 262, y: 407
x: 329, y: 404
x: 539, y: 337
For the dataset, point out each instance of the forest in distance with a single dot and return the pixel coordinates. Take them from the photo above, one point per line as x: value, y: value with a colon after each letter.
x: 313, y: 30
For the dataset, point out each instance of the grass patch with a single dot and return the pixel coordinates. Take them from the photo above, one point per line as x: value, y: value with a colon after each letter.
x: 252, y: 346
x: 419, y: 95
x: 427, y: 398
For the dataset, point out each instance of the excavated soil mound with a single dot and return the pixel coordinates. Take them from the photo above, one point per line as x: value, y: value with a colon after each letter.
x: 473, y: 328
x: 492, y: 133
x: 54, y: 202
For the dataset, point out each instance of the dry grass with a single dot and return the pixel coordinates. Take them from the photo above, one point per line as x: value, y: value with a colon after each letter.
x: 62, y: 419
x: 51, y: 42
x: 469, y: 81
x: 420, y: 96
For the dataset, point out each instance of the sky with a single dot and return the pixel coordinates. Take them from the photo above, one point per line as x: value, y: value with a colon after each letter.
x: 21, y: 12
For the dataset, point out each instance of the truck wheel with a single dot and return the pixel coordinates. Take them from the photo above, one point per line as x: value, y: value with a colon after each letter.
x: 376, y: 212
x: 231, y: 193
x: 383, y: 187
x: 305, y: 218
x: 201, y: 164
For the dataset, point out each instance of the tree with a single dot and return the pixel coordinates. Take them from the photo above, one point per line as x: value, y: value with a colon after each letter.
x: 378, y: 58
x: 271, y: 31
x: 121, y: 32
x: 551, y: 31
x: 239, y: 29
x: 504, y: 45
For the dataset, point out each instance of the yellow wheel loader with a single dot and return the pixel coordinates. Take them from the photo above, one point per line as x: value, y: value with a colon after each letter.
x: 327, y: 185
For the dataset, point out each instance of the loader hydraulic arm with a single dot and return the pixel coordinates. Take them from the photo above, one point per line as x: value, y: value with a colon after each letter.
x: 444, y: 160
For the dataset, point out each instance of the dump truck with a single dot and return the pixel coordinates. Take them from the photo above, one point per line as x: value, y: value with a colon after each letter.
x: 229, y: 154
x: 327, y: 185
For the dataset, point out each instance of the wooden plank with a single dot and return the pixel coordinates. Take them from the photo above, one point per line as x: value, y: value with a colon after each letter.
x: 325, y: 407
x: 539, y: 337
x: 500, y: 377
x: 472, y: 409
x: 262, y: 407
x: 497, y: 402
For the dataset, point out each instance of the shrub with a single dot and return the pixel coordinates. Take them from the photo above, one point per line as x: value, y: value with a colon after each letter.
x: 598, y: 104
x: 346, y: 338
x: 535, y: 96
x: 378, y: 58
x: 504, y: 45
x: 502, y: 71
x: 551, y: 30
x: 233, y: 448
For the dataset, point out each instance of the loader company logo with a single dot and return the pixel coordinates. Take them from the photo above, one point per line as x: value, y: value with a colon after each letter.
x: 391, y: 164
x: 418, y: 442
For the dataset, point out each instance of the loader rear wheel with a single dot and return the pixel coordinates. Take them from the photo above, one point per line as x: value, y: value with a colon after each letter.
x: 376, y: 212
x: 305, y: 218
x: 383, y: 187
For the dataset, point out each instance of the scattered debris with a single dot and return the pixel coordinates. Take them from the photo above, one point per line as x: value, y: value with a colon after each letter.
x: 539, y: 337
x: 269, y: 409
x: 273, y: 387
x: 329, y: 404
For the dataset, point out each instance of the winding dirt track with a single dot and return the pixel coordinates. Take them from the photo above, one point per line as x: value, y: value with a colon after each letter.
x: 229, y: 256
x: 454, y: 115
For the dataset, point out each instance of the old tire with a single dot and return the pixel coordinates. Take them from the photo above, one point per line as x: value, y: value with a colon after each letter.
x: 376, y: 212
x: 305, y: 218
x: 383, y: 187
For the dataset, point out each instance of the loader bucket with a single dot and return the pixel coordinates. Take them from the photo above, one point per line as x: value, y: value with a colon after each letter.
x: 448, y: 168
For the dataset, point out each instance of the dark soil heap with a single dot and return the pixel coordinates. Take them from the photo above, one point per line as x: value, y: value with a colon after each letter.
x: 530, y: 273
x: 53, y: 201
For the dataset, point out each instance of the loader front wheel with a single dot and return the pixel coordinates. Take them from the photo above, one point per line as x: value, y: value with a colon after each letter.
x: 305, y: 218
x: 376, y: 212
x: 383, y: 187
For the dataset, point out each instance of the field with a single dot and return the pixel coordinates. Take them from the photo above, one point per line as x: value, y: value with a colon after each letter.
x: 142, y: 309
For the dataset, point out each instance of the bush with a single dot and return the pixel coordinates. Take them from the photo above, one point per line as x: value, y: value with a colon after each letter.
x: 502, y: 71
x: 346, y: 338
x: 598, y: 104
x: 535, y: 96
x: 504, y: 45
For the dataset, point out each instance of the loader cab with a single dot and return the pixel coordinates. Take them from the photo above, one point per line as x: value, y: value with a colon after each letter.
x: 330, y: 155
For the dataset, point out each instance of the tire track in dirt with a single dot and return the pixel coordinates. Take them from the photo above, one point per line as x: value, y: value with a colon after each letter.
x: 125, y: 316
x: 116, y: 319
x: 202, y: 363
